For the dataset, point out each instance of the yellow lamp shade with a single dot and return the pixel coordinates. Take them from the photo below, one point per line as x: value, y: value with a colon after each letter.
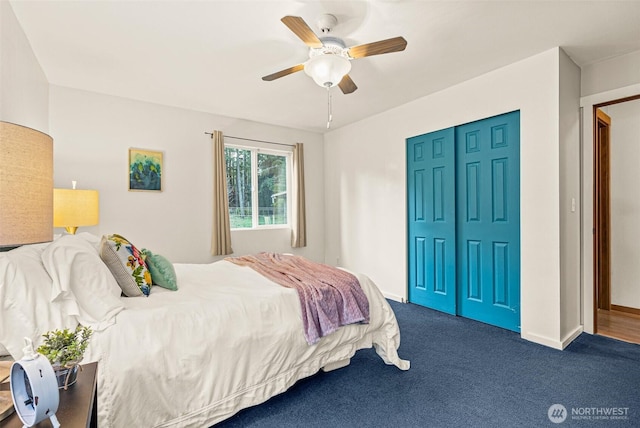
x: 73, y: 208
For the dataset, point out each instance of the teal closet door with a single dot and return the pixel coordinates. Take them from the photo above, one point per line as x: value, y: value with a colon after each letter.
x: 488, y: 220
x: 432, y: 220
x: 463, y: 218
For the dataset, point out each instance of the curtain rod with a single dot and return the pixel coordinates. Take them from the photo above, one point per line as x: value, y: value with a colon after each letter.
x: 251, y: 139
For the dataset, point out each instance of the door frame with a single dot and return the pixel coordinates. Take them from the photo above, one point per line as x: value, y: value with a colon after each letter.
x: 601, y: 211
x: 601, y: 244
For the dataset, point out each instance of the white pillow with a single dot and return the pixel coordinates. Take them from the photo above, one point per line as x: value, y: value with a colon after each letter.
x: 25, y: 306
x: 82, y: 283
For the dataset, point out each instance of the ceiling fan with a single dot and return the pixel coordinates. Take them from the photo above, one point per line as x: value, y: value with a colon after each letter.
x: 329, y: 60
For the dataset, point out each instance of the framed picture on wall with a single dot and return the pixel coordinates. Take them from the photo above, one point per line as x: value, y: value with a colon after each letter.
x: 146, y: 170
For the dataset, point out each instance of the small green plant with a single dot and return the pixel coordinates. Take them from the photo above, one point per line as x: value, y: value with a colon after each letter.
x: 65, y: 348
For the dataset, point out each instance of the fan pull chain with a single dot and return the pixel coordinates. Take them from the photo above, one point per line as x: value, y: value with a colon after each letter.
x: 329, y: 114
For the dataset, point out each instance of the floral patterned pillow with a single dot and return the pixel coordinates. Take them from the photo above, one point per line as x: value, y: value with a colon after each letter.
x: 126, y: 264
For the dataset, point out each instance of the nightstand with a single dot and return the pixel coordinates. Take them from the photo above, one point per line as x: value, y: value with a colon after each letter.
x: 78, y: 404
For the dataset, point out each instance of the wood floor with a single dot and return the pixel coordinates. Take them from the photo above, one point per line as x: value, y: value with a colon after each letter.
x: 619, y: 325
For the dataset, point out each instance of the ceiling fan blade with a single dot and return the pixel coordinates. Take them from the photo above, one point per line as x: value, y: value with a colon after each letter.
x: 395, y: 44
x: 302, y: 30
x: 283, y: 73
x: 346, y: 85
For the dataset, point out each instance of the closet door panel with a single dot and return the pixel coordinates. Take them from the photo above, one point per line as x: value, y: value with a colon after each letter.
x: 431, y: 220
x: 488, y: 220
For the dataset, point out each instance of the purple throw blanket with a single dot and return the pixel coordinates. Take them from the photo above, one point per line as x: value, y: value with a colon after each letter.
x: 329, y: 297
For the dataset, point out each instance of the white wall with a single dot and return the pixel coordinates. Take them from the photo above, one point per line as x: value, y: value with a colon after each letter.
x: 570, y: 200
x: 625, y: 71
x: 366, y: 184
x: 92, y: 134
x: 614, y: 73
x: 625, y: 204
x: 24, y: 89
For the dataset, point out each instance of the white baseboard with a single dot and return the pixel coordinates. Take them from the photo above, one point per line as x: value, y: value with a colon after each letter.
x: 571, y: 336
x: 553, y: 343
x: 395, y: 297
x: 541, y: 340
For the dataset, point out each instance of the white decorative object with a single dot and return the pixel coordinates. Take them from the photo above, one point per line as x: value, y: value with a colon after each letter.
x: 34, y: 388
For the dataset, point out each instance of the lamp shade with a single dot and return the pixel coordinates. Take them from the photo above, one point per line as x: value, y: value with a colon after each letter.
x: 73, y: 208
x: 327, y: 70
x: 26, y: 184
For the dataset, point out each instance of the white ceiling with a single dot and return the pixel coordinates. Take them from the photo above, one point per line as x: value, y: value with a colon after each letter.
x: 210, y: 55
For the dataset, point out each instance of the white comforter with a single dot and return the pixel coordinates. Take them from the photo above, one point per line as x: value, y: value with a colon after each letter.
x: 226, y: 340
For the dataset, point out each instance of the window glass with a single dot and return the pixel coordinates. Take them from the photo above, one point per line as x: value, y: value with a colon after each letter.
x: 257, y: 183
x: 238, y: 163
x: 272, y: 189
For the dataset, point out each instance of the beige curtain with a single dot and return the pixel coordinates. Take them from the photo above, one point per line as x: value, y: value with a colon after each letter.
x: 221, y: 235
x: 298, y: 218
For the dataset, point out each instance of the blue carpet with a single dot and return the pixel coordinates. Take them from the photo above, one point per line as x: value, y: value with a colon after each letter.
x: 465, y: 374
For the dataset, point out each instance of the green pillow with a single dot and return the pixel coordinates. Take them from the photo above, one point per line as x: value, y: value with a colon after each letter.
x: 161, y: 270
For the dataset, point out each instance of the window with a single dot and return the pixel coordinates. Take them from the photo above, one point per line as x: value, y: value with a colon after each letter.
x: 257, y: 187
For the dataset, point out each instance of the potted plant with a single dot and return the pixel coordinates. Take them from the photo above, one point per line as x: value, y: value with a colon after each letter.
x: 64, y: 349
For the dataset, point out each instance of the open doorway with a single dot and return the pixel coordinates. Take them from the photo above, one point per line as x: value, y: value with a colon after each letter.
x: 616, y: 295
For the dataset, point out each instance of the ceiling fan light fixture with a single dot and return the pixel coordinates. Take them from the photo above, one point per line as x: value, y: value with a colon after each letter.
x: 327, y: 70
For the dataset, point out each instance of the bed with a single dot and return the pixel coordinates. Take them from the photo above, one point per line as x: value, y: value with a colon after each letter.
x: 227, y: 339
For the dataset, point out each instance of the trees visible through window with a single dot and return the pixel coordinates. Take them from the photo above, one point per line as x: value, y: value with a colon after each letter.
x: 266, y: 173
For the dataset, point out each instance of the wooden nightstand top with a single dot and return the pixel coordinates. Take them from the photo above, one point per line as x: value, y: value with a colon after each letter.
x: 77, y: 404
